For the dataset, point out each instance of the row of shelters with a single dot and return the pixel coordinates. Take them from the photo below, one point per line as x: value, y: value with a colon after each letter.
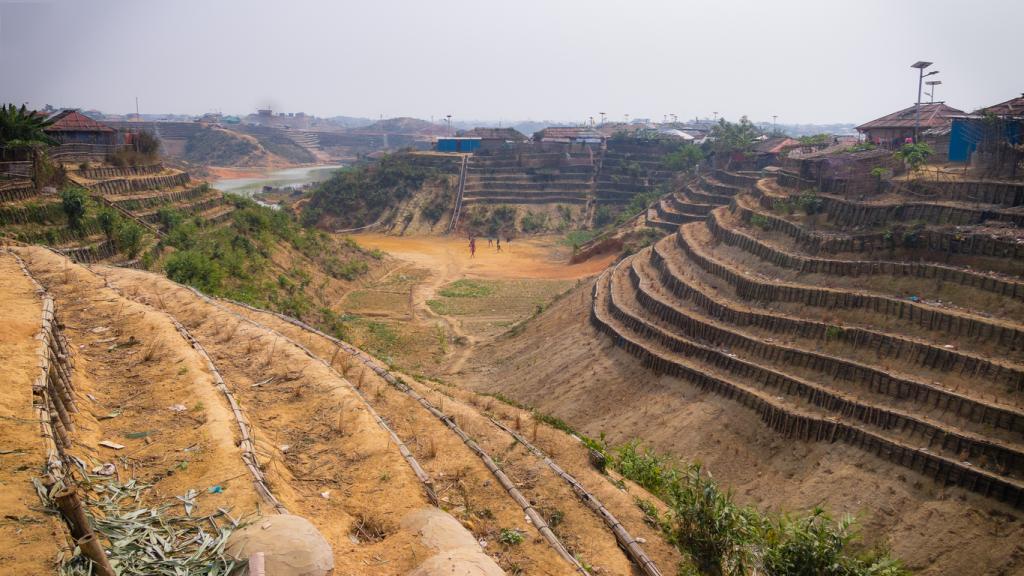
x: 955, y: 135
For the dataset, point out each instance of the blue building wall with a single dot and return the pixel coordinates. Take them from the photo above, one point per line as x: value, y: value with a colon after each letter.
x: 967, y: 133
x: 457, y: 144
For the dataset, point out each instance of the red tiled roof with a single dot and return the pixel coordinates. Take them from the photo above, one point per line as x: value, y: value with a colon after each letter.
x: 75, y: 121
x: 775, y: 145
x: 933, y: 115
x: 1013, y: 108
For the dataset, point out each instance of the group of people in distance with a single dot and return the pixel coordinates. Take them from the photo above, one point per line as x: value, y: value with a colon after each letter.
x: 491, y: 241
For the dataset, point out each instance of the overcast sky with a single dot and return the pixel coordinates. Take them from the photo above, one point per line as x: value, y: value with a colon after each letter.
x: 815, y: 61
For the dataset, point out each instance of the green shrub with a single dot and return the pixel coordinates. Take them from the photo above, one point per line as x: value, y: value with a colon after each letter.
x: 347, y: 270
x: 809, y: 202
x: 914, y: 155
x: 603, y: 216
x: 128, y: 237
x: 533, y: 222
x: 510, y: 537
x: 759, y: 220
x: 685, y: 158
x: 195, y: 269
x: 74, y: 201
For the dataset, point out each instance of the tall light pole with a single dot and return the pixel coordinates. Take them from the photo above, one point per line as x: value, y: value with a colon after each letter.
x: 602, y: 117
x: 920, y: 65
x: 449, y: 119
x: 932, y: 84
x: 774, y: 116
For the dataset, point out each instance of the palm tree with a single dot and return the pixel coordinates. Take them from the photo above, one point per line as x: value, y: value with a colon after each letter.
x: 22, y: 133
x: 21, y: 128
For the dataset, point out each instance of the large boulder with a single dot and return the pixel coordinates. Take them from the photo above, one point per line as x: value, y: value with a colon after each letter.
x: 291, y: 546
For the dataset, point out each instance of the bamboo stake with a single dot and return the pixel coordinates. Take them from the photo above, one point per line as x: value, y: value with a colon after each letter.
x: 93, y: 550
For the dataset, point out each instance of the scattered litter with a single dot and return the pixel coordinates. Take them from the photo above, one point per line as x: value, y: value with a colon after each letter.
x: 100, y: 329
x: 216, y: 489
x: 91, y: 397
x: 641, y: 540
x: 105, y: 340
x: 914, y: 298
x: 113, y: 414
x: 15, y: 451
x: 177, y: 408
x: 949, y: 347
x: 326, y: 495
x: 137, y: 435
x: 265, y: 525
x: 284, y: 447
x: 113, y: 445
x: 107, y: 469
x: 482, y: 543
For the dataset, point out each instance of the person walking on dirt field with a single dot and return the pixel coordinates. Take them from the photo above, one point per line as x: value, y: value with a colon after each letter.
x: 498, y: 243
x: 472, y: 247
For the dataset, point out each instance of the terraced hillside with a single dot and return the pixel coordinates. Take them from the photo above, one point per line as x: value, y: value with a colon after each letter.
x: 140, y: 192
x: 227, y: 407
x: 628, y: 169
x: 884, y: 333
x: 35, y: 217
x: 918, y: 363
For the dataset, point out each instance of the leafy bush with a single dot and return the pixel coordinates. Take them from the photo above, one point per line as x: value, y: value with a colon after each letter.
x: 195, y: 269
x: 759, y: 220
x: 684, y: 159
x: 347, y: 270
x: 128, y: 237
x: 914, y: 155
x: 510, y: 537
x: 724, y: 538
x: 533, y: 222
x: 604, y: 215
x: 147, y: 144
x: 74, y: 201
x: 809, y: 202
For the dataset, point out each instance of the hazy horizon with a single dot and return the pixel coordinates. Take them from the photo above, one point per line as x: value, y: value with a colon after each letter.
x: 806, y: 63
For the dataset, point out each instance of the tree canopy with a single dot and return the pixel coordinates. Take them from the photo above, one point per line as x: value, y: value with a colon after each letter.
x: 734, y: 137
x: 22, y: 128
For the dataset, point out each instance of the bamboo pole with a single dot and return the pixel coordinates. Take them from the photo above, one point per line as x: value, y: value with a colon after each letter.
x: 93, y: 550
x: 628, y: 543
x: 503, y: 479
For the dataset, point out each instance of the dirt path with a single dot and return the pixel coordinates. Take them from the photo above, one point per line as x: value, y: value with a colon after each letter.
x: 447, y: 259
x: 145, y: 388
x: 32, y: 537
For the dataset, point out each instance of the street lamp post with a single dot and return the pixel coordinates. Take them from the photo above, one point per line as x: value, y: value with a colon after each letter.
x: 932, y: 84
x: 448, y: 118
x: 920, y: 65
x: 774, y: 116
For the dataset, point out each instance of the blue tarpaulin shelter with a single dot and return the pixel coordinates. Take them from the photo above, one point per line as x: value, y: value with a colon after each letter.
x: 457, y: 144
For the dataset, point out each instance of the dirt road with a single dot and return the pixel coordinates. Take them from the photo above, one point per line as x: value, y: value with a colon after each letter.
x: 448, y: 259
